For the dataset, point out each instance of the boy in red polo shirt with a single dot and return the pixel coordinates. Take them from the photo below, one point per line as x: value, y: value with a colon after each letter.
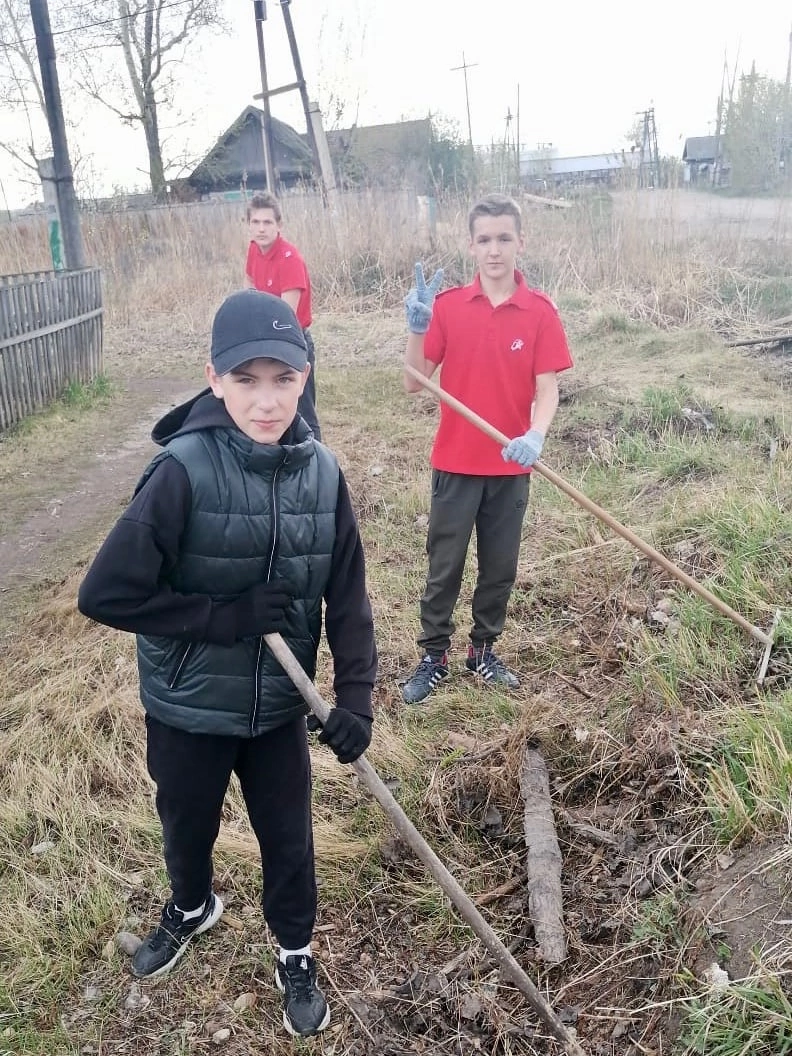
x: 275, y: 266
x: 501, y: 346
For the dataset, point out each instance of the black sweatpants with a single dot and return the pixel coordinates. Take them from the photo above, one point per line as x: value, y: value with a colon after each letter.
x: 496, y: 507
x: 192, y: 772
x: 306, y: 405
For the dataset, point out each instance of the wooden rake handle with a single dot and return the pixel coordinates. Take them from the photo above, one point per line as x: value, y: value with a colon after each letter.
x: 597, y: 511
x: 450, y: 886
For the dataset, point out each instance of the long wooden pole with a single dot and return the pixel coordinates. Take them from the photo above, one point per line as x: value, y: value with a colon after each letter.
x: 260, y: 16
x: 374, y: 783
x: 64, y: 176
x: 597, y: 511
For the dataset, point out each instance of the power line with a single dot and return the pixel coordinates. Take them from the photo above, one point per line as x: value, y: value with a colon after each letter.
x: 102, y: 22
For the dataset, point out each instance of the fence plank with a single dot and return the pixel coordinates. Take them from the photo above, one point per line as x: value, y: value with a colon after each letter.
x: 51, y: 327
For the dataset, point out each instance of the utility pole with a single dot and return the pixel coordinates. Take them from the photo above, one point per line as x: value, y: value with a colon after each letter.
x: 62, y: 170
x: 313, y: 117
x: 649, y: 171
x: 716, y: 165
x: 260, y: 15
x: 508, y: 153
x: 464, y: 68
x: 786, y: 124
x: 285, y: 6
x: 519, y: 170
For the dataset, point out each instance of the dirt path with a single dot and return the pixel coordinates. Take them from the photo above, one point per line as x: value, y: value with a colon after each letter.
x: 66, y: 475
x: 55, y: 505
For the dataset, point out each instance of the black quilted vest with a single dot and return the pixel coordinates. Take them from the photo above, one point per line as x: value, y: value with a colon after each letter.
x: 259, y: 513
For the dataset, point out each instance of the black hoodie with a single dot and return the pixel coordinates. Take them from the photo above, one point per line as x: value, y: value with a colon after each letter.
x: 125, y: 586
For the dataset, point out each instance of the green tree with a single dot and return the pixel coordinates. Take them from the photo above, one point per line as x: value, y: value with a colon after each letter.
x: 452, y: 162
x: 753, y: 138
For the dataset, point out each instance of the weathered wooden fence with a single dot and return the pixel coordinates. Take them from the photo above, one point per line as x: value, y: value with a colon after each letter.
x: 50, y: 335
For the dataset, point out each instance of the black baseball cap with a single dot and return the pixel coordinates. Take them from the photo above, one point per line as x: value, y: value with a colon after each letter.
x: 254, y: 325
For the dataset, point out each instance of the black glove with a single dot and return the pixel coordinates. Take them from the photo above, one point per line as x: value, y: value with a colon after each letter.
x: 260, y: 610
x: 349, y: 735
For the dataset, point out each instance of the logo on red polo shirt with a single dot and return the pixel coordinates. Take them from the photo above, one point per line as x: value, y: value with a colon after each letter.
x: 517, y: 345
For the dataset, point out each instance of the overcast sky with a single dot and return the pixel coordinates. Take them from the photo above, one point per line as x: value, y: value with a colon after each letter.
x: 583, y: 71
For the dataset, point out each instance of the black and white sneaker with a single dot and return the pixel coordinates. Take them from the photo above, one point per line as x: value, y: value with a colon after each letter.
x: 425, y: 678
x: 162, y: 948
x: 305, y: 1011
x: 490, y: 667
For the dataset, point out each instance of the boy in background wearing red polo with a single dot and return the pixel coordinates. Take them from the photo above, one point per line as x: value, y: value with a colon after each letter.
x: 275, y: 266
x: 501, y: 346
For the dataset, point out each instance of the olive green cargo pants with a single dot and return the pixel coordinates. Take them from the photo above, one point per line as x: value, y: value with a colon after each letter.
x: 496, y: 507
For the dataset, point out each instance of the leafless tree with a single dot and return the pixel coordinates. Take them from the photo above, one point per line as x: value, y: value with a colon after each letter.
x: 24, y: 133
x: 342, y: 35
x: 21, y: 95
x: 151, y: 37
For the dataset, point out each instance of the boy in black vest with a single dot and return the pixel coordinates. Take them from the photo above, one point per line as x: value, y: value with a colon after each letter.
x: 241, y: 527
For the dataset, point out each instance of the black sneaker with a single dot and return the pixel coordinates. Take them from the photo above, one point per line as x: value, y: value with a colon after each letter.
x: 305, y: 1011
x: 168, y: 941
x: 428, y: 674
x: 492, y: 669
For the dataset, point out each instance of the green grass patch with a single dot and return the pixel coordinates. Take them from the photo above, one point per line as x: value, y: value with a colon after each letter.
x: 752, y: 1017
x: 84, y: 394
x: 749, y: 780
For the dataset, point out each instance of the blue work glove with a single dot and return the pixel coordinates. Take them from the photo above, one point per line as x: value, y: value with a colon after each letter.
x: 349, y: 735
x: 524, y: 449
x: 418, y: 302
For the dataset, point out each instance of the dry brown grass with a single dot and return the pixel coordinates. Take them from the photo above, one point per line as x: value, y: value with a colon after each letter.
x: 653, y: 265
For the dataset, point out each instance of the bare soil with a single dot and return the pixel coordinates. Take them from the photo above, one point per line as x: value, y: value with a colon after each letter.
x: 49, y: 511
x: 746, y: 908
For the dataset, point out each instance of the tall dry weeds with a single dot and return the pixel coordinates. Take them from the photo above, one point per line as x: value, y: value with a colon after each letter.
x: 655, y: 258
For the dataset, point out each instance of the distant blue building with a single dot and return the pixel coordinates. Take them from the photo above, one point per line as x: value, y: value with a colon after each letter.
x: 542, y: 169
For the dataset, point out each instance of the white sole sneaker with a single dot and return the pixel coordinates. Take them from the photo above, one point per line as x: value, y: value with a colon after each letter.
x: 211, y: 920
x: 288, y: 1023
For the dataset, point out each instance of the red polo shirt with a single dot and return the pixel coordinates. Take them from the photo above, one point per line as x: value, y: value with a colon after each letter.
x: 490, y: 358
x: 281, y: 268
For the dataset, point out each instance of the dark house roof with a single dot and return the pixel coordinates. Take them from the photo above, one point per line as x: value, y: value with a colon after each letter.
x: 382, y: 154
x: 374, y: 154
x: 700, y: 149
x: 239, y: 154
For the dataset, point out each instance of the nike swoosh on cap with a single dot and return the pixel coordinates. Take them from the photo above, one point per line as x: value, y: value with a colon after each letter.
x: 281, y: 326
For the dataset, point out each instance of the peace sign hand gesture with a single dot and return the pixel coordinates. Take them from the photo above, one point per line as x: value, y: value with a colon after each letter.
x: 418, y: 302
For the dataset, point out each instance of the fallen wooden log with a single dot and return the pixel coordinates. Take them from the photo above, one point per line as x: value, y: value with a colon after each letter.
x: 770, y: 339
x: 552, y: 203
x: 543, y: 859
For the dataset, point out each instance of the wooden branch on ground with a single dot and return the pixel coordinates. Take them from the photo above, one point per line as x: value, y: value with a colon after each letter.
x: 507, y: 888
x: 591, y: 832
x: 770, y: 339
x: 543, y: 859
x: 573, y: 685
